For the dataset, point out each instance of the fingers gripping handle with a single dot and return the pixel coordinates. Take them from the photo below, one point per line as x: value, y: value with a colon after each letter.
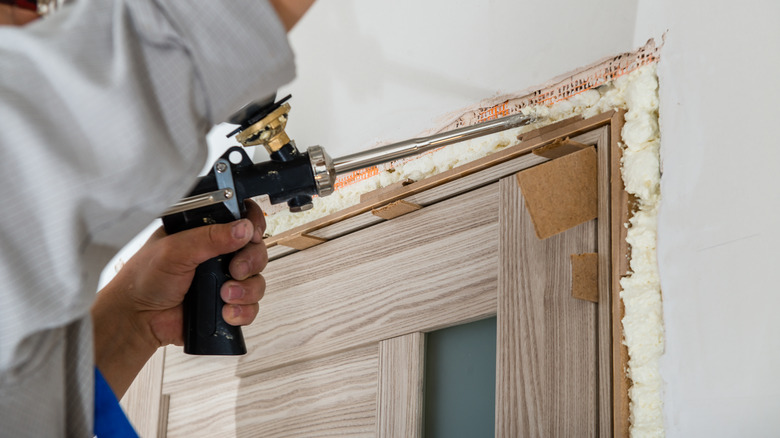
x: 205, y: 330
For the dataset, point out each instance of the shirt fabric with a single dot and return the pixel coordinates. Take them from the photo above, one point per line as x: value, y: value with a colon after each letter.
x: 110, y: 420
x: 104, y: 107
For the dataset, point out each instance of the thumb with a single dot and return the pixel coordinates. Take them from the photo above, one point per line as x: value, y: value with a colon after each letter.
x: 195, y: 246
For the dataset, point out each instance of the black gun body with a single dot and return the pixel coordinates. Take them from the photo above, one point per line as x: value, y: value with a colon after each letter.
x: 205, y: 330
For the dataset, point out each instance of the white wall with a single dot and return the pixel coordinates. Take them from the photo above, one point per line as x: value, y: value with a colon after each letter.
x: 385, y: 71
x: 719, y: 231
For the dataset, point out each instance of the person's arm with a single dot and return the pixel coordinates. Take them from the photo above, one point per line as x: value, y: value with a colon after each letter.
x: 116, y: 97
x: 140, y: 309
x: 13, y: 16
x: 290, y: 11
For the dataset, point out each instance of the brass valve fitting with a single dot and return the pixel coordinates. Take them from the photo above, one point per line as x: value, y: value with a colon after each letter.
x: 269, y: 131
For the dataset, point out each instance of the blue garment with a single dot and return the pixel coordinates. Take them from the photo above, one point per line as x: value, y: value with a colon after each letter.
x: 110, y: 419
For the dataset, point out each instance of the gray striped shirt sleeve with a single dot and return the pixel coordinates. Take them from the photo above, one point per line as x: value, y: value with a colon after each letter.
x: 104, y: 107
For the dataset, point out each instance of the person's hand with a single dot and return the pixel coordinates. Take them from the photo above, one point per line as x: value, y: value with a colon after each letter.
x: 142, y: 305
x: 156, y: 279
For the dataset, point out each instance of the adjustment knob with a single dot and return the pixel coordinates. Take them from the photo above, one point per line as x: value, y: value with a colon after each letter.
x: 323, y: 170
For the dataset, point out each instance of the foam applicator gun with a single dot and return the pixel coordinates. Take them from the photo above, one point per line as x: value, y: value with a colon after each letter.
x: 289, y: 176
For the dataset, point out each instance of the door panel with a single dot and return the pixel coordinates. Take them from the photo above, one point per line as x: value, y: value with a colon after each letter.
x: 547, y: 358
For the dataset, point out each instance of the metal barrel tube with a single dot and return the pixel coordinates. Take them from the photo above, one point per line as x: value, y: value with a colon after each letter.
x: 395, y: 151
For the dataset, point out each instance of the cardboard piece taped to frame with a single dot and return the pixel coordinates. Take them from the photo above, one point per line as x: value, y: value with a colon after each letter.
x: 585, y: 277
x: 301, y: 241
x: 559, y: 148
x: 561, y: 193
x: 378, y: 194
x: 395, y: 209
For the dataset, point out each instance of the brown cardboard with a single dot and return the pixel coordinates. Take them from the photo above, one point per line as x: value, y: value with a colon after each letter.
x: 559, y: 148
x: 301, y: 241
x: 547, y: 132
x: 395, y: 209
x: 378, y: 194
x: 562, y: 193
x: 585, y: 277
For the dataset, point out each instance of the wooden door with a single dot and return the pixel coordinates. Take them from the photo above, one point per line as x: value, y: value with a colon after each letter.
x: 338, y: 348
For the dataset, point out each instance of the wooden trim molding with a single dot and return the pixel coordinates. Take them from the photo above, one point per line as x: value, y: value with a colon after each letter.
x: 400, y: 388
x: 536, y: 139
x: 619, y: 216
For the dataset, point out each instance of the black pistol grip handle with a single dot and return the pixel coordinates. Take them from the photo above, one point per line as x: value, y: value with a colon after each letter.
x: 205, y: 331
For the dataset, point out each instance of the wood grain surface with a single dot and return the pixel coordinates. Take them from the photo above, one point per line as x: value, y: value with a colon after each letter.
x: 331, y: 396
x: 204, y: 410
x: 184, y: 371
x: 604, y: 150
x: 422, y: 271
x: 142, y: 401
x: 401, y: 382
x: 165, y: 406
x: 620, y: 211
x: 547, y: 370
